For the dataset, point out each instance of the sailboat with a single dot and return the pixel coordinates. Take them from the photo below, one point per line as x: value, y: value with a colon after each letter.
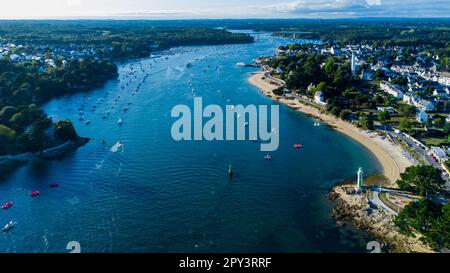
x: 230, y: 171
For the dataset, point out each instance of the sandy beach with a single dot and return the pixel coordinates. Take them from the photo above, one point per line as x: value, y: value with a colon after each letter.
x: 388, y: 154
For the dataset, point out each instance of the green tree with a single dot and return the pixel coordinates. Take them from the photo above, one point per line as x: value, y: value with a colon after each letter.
x: 406, y: 110
x: 405, y: 124
x: 344, y: 115
x: 439, y: 235
x: 439, y: 122
x: 7, y: 113
x: 336, y: 110
x: 366, y: 122
x: 418, y: 216
x: 384, y: 116
x: 421, y: 179
x: 66, y: 131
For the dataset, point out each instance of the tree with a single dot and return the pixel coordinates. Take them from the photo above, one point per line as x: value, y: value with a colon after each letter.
x: 344, y: 115
x: 336, y: 110
x: 404, y: 125
x: 18, y: 121
x: 439, y: 235
x: 330, y: 67
x: 446, y: 105
x: 343, y: 75
x: 379, y: 75
x: 406, y: 110
x: 446, y: 128
x: 366, y: 122
x: 421, y: 180
x: 66, y: 131
x: 6, y: 114
x: 439, y: 122
x: 384, y: 116
x: 7, y: 136
x: 418, y: 216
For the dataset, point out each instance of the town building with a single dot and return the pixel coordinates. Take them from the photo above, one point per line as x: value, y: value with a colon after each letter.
x: 391, y: 89
x: 422, y: 117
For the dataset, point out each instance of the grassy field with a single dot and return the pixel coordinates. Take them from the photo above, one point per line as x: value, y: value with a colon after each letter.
x: 434, y: 141
x: 376, y: 180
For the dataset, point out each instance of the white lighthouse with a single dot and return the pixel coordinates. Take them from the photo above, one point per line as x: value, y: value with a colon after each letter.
x: 359, y: 184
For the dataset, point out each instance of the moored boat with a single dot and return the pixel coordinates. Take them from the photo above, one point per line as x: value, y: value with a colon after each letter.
x: 7, y: 205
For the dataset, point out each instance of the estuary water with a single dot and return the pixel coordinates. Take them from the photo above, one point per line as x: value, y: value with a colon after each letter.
x: 153, y: 194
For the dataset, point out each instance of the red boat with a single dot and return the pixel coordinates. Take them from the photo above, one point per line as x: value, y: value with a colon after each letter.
x: 297, y: 146
x: 53, y: 185
x: 7, y: 205
x: 34, y: 193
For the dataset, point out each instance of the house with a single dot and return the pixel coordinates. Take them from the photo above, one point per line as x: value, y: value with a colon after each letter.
x: 425, y: 105
x: 422, y: 117
x: 391, y: 89
x: 367, y: 75
x: 408, y: 99
x: 440, y: 93
x: 319, y: 98
x: 335, y: 51
x: 438, y: 154
x: 447, y: 119
x: 444, y: 78
x: 279, y: 70
x: 390, y: 110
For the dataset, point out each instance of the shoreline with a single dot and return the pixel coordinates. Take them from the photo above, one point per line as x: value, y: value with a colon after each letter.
x: 357, y: 210
x: 390, y: 156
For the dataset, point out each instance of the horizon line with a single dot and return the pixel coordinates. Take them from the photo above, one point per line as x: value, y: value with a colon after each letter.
x: 137, y: 18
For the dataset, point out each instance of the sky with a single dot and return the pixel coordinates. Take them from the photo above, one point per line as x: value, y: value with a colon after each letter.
x: 188, y: 9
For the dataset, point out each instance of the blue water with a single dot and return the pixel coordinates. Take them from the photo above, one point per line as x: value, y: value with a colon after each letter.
x: 158, y: 195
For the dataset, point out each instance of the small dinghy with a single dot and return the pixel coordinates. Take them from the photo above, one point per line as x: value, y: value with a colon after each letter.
x: 34, y: 193
x: 9, y: 226
x: 7, y: 205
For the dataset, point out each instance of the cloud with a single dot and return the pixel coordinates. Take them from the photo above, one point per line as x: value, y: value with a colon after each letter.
x: 361, y: 8
x: 322, y: 5
x: 73, y: 3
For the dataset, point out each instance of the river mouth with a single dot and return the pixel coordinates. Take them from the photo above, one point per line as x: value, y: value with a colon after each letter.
x: 158, y: 195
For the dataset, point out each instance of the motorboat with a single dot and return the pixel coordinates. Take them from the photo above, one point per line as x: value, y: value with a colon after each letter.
x: 9, y: 226
x: 34, y: 193
x: 54, y: 185
x: 120, y: 121
x: 116, y: 147
x: 297, y: 146
x: 7, y: 205
x: 267, y: 157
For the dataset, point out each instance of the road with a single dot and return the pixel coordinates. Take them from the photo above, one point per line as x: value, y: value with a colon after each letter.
x: 377, y: 202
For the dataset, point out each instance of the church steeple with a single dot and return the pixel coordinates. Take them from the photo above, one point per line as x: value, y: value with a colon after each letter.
x: 353, y: 64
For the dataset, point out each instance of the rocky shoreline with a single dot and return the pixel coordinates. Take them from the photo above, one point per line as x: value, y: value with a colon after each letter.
x: 11, y: 162
x: 356, y: 209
